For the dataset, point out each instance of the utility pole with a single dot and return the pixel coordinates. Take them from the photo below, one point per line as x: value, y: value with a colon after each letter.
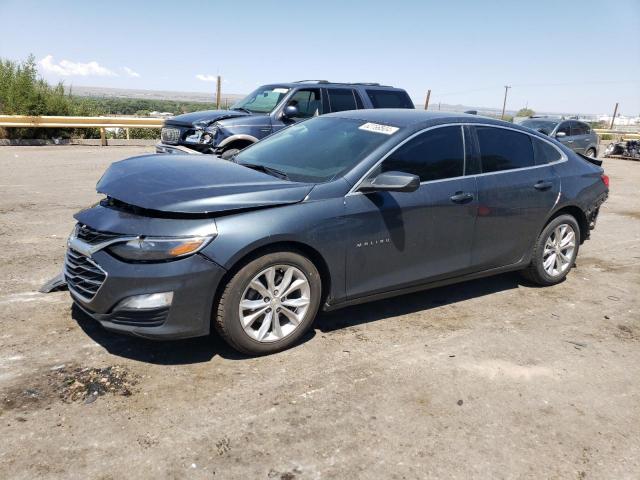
x: 426, y: 103
x: 218, y: 91
x: 504, y: 104
x: 615, y: 112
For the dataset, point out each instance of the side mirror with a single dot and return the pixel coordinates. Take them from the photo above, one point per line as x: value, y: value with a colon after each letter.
x: 560, y: 134
x: 391, y: 182
x: 290, y: 111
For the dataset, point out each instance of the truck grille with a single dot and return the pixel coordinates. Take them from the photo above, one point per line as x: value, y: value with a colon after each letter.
x: 83, y: 276
x: 170, y: 135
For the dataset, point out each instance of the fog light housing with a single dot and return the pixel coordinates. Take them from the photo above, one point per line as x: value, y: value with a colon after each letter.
x: 148, y: 301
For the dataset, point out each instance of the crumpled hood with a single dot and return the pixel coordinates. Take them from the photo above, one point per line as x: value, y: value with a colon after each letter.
x: 194, y: 184
x: 208, y: 116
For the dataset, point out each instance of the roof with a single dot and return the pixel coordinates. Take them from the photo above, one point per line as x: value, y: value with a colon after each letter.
x: 326, y: 83
x: 403, y: 118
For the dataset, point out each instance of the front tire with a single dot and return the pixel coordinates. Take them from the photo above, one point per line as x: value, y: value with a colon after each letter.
x: 230, y: 153
x: 554, y: 252
x: 591, y: 153
x: 269, y: 304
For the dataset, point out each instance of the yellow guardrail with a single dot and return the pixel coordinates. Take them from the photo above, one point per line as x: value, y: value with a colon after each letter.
x: 622, y: 134
x: 25, y: 121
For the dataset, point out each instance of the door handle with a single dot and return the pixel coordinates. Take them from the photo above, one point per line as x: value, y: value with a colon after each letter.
x: 543, y: 185
x: 461, y: 197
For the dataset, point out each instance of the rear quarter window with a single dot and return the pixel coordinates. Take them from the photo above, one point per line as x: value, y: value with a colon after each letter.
x: 544, y: 152
x: 502, y: 149
x: 389, y: 99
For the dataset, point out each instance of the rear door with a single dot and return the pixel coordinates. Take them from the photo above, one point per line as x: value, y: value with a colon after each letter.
x: 516, y: 191
x: 401, y: 239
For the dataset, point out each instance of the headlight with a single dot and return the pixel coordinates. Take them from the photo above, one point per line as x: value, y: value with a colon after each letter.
x: 152, y: 249
x: 204, y: 135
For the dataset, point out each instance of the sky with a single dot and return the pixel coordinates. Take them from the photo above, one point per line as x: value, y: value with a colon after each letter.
x: 558, y: 56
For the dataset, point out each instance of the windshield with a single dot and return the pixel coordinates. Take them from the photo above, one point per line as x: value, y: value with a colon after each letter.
x: 543, y: 126
x: 262, y: 100
x: 318, y: 149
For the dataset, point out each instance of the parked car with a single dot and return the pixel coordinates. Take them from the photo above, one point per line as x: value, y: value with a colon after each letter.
x: 269, y: 109
x: 340, y: 209
x: 576, y: 135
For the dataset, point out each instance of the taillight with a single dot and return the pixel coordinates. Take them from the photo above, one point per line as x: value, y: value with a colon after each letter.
x: 605, y: 180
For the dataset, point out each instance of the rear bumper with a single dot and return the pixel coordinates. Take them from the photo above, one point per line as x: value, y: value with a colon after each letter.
x: 193, y: 281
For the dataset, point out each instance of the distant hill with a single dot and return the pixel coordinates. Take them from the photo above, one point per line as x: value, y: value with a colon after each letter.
x: 105, y: 92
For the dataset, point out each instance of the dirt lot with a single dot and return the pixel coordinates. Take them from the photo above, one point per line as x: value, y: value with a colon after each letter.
x: 488, y: 379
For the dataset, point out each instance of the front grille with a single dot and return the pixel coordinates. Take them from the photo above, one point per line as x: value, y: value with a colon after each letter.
x: 170, y: 135
x: 83, y: 276
x: 93, y: 237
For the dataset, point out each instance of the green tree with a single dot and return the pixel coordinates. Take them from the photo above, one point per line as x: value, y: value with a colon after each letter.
x: 525, y: 112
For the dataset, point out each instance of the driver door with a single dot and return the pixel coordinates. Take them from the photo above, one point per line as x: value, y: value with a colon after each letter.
x: 309, y: 104
x: 400, y: 239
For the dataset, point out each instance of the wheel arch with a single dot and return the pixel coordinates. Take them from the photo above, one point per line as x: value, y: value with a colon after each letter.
x: 290, y: 246
x: 233, y: 140
x: 577, y: 213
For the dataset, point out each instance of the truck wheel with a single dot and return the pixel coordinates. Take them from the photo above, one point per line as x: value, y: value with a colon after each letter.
x: 554, y: 252
x: 269, y: 304
x: 229, y: 154
x: 591, y: 153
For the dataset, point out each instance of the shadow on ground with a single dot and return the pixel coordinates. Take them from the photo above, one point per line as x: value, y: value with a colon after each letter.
x: 203, y: 349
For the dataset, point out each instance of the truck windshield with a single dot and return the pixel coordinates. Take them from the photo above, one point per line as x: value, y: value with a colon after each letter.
x: 316, y: 150
x: 262, y: 100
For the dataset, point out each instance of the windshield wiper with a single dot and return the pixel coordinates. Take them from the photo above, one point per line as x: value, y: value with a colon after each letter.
x: 269, y: 170
x: 242, y: 109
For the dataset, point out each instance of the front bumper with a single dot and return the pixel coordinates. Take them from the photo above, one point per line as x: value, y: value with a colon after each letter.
x: 165, y: 148
x: 193, y: 281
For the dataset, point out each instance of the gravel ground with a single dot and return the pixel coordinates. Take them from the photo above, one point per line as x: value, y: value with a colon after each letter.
x: 487, y: 379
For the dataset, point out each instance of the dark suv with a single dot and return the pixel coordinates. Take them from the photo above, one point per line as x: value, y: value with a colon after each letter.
x: 578, y: 136
x: 269, y: 109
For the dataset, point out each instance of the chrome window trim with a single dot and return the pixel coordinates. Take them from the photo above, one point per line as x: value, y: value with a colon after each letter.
x: 563, y: 156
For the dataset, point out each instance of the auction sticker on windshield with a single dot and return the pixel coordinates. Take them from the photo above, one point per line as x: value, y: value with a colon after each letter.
x: 378, y: 128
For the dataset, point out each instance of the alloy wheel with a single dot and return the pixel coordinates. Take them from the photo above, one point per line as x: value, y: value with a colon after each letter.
x: 559, y: 250
x: 274, y: 303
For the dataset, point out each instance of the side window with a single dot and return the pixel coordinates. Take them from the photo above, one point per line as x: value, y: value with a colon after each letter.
x: 587, y: 128
x: 502, y: 149
x: 308, y: 103
x: 577, y: 128
x: 544, y: 152
x: 433, y: 155
x: 341, y: 99
x: 564, y: 128
x: 389, y: 99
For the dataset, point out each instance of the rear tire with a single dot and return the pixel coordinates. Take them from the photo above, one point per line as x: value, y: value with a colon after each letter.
x: 269, y: 304
x: 554, y: 252
x: 591, y: 153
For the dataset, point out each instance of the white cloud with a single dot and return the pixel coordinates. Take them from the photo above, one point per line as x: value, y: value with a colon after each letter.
x: 206, y: 78
x: 68, y: 68
x: 130, y: 72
